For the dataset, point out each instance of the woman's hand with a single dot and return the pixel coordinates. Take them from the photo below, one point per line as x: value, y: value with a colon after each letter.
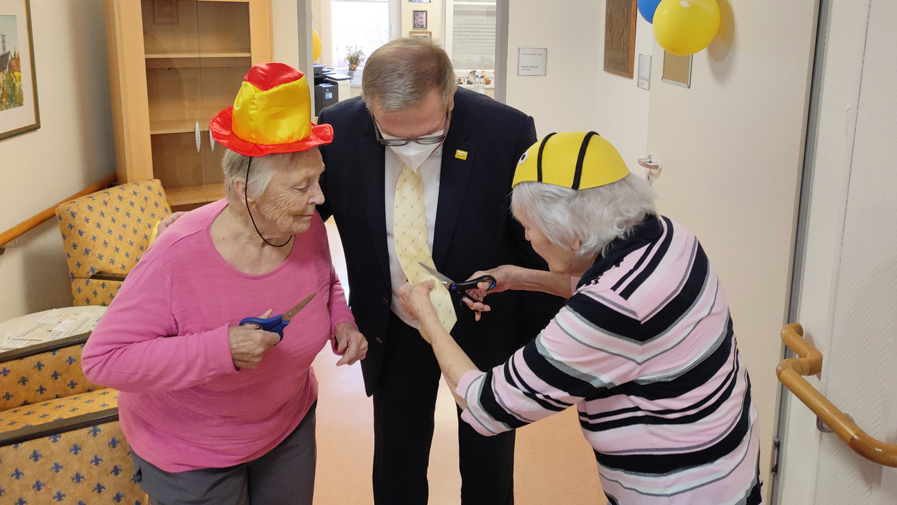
x: 248, y: 344
x: 505, y: 278
x: 417, y: 304
x: 168, y: 221
x: 350, y: 343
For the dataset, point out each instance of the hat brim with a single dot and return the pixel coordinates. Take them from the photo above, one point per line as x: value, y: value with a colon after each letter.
x: 223, y: 133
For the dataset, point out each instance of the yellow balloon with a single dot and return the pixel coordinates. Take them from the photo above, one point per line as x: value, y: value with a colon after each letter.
x: 315, y: 45
x: 685, y: 27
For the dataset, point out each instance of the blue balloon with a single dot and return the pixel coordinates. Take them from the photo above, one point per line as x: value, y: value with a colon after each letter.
x: 646, y: 8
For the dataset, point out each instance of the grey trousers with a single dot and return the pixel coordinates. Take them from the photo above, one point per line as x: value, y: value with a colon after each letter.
x: 283, y: 476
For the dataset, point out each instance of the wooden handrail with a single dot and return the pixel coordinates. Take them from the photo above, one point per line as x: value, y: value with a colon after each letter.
x: 38, y: 219
x: 809, y: 362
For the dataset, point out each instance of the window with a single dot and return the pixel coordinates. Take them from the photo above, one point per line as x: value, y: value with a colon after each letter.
x: 472, y: 29
x: 358, y: 23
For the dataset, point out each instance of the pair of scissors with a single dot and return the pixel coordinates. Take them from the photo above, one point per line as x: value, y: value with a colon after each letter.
x: 460, y: 288
x: 276, y: 324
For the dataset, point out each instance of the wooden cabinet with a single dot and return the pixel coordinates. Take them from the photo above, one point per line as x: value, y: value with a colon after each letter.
x: 173, y: 65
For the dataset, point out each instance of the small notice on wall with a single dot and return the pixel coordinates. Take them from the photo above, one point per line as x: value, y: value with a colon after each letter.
x: 532, y: 61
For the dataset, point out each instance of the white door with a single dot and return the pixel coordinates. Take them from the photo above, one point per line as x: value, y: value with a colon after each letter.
x: 731, y: 152
x: 847, y: 268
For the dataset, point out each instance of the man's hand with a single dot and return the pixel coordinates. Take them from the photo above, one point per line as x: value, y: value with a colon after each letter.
x: 350, y: 343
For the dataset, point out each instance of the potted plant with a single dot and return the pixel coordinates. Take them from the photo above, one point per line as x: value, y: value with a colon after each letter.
x: 354, y: 56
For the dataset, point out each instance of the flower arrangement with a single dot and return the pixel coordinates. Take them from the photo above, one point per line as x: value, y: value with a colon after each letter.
x: 354, y: 56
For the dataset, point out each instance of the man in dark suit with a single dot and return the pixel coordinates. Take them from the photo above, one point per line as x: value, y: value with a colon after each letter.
x: 464, y: 146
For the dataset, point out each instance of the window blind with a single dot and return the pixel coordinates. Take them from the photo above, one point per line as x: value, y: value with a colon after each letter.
x: 473, y: 35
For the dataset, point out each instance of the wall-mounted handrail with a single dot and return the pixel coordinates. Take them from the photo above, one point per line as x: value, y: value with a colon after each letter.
x: 38, y: 219
x: 809, y: 362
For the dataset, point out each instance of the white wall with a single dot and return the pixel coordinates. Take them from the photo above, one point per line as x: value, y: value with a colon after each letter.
x: 622, y: 116
x: 577, y: 94
x: 566, y: 98
x: 72, y: 149
x: 285, y: 31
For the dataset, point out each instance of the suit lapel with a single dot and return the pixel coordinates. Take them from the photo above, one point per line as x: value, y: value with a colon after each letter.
x: 452, y: 187
x: 372, y: 178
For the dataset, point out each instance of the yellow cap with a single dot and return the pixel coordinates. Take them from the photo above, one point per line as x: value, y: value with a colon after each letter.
x: 576, y: 160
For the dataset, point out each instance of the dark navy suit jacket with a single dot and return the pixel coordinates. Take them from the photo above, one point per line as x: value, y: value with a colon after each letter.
x: 474, y: 228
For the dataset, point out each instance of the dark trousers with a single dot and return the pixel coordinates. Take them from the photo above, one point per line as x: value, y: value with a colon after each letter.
x: 404, y: 403
x: 283, y: 476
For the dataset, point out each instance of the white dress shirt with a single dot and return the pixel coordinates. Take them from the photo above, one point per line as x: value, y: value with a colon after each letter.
x: 430, y: 171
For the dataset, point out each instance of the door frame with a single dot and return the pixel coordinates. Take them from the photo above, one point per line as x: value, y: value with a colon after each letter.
x: 801, y: 229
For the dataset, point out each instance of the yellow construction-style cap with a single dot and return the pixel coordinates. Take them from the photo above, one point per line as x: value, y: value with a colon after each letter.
x: 576, y: 160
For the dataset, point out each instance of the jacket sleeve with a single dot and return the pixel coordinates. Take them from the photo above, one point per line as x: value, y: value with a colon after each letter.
x: 536, y: 309
x: 136, y: 346
x: 324, y: 208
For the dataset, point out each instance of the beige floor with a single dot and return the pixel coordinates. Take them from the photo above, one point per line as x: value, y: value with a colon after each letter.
x: 554, y: 464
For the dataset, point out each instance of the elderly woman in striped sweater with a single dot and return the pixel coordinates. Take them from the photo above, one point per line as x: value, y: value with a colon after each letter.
x: 644, y: 347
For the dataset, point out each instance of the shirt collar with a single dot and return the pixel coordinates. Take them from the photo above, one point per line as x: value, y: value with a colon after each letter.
x: 642, y: 234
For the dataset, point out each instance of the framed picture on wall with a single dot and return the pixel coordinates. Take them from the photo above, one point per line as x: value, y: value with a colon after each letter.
x: 419, y: 33
x: 420, y: 20
x: 619, y: 37
x: 419, y: 1
x: 18, y: 85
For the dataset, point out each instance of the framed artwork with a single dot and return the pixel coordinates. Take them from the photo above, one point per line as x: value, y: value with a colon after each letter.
x: 419, y: 1
x: 419, y: 33
x: 677, y: 69
x: 18, y: 84
x: 619, y: 37
x: 420, y: 20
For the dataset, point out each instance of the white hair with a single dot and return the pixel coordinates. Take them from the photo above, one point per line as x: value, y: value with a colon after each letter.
x: 263, y: 169
x: 597, y: 216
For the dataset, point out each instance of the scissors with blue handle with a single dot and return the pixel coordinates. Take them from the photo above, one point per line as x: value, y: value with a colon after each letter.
x: 460, y: 288
x: 276, y: 324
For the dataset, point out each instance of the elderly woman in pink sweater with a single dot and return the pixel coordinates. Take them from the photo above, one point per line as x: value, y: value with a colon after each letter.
x: 215, y: 411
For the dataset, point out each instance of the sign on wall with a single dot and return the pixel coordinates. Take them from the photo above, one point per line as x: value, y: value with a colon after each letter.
x: 532, y: 60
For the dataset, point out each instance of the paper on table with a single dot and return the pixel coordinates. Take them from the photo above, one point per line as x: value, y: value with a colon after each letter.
x: 50, y: 327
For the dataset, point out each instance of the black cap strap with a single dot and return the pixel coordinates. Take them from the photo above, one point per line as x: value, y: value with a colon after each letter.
x: 577, y: 175
x: 539, y: 159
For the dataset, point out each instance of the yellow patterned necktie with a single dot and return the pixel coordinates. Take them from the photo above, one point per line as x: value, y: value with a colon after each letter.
x: 410, y: 220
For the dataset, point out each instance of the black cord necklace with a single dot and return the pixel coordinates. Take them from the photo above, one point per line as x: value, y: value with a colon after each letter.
x: 246, y: 200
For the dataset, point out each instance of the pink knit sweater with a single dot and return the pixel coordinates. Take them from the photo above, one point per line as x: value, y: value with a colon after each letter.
x: 164, y: 344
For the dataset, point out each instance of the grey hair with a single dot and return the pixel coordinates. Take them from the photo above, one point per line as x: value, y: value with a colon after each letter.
x: 400, y: 74
x: 263, y: 169
x: 597, y: 216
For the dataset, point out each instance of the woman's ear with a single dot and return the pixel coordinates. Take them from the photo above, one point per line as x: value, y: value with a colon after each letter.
x: 577, y: 244
x: 239, y: 190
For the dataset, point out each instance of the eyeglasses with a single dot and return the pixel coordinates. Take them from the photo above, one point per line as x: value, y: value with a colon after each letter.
x: 425, y: 140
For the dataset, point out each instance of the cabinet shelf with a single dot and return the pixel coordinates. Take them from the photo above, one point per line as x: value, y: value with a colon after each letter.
x: 173, y: 64
x: 178, y: 126
x: 196, y: 55
x: 187, y: 195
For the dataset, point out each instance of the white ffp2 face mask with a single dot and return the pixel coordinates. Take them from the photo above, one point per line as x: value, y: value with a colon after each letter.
x: 413, y: 154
